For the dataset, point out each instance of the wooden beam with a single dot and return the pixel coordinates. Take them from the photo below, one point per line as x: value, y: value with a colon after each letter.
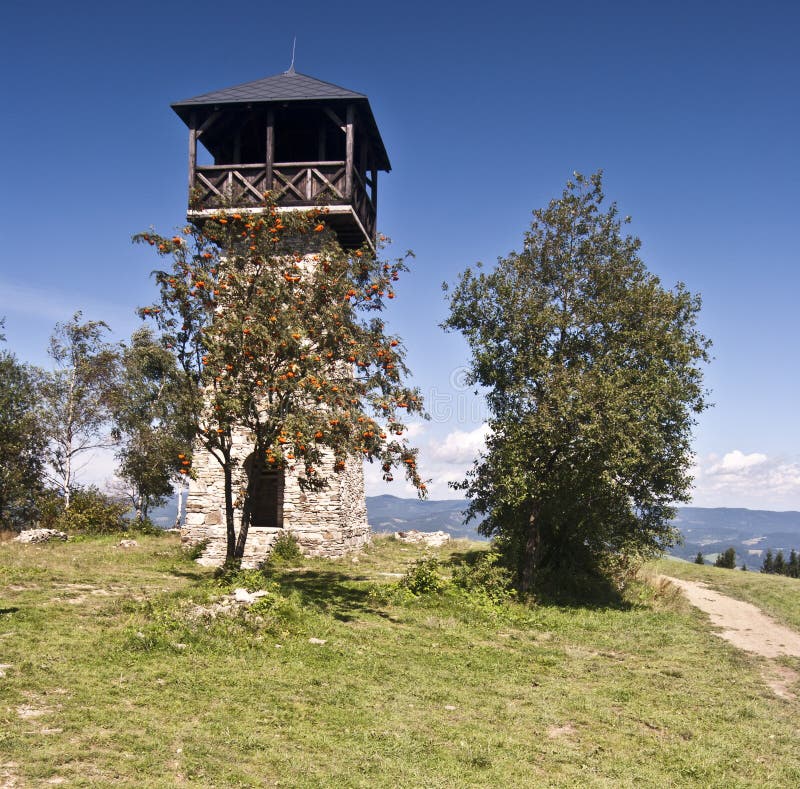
x: 270, y: 149
x: 335, y: 118
x: 349, y: 144
x: 207, y: 123
x: 192, y: 152
x: 374, y: 190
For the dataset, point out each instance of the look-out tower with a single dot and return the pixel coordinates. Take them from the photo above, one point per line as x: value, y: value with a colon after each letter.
x: 310, y: 144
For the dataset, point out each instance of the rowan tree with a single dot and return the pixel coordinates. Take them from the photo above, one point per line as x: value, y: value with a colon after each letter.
x: 592, y: 376
x: 278, y: 334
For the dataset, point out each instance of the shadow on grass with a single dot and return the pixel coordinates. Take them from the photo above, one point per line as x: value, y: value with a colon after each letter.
x: 567, y: 587
x: 11, y: 610
x: 466, y: 557
x: 329, y: 591
x: 191, y: 575
x: 571, y: 589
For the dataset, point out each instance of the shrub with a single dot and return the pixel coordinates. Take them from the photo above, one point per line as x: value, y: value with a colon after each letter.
x: 195, y: 551
x: 423, y: 578
x: 92, y: 512
x: 486, y: 576
x: 287, y: 549
x: 146, y: 527
x: 229, y: 577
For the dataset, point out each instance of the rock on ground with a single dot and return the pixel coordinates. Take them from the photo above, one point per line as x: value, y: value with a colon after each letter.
x: 40, y: 535
x: 433, y: 538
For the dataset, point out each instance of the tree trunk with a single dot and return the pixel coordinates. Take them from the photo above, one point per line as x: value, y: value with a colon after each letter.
x: 230, y: 552
x: 179, y: 514
x: 67, y: 480
x: 530, y: 552
x: 255, y: 472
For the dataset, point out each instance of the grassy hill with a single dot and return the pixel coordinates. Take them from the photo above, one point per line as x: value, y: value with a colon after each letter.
x: 114, y: 673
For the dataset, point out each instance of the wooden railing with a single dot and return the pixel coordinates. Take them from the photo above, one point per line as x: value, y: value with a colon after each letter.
x: 292, y: 184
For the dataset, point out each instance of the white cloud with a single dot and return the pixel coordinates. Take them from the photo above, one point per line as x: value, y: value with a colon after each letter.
x: 441, y: 461
x: 461, y: 446
x: 414, y: 429
x: 752, y: 480
x: 736, y: 461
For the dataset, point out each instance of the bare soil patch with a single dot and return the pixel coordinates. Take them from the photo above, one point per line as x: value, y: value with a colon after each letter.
x: 743, y: 624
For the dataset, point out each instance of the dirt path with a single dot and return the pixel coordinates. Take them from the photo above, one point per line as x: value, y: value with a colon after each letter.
x: 743, y: 624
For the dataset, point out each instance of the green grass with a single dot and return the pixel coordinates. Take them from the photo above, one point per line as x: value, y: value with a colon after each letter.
x: 112, y: 682
x: 775, y: 594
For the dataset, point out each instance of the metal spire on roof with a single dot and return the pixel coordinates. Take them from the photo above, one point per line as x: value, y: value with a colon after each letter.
x: 291, y: 70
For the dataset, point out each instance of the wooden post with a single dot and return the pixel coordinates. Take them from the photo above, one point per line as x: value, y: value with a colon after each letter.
x: 374, y: 190
x: 348, y: 172
x: 192, y: 151
x: 270, y: 147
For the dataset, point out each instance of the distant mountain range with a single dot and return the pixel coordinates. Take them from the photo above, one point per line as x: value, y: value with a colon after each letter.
x: 390, y: 514
x: 750, y: 532
x: 707, y: 530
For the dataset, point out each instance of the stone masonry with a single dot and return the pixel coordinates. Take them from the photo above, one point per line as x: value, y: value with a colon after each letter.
x: 330, y: 523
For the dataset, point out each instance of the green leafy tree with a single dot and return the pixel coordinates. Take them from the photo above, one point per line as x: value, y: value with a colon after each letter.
x: 793, y: 567
x: 593, y: 379
x: 277, y: 332
x: 779, y: 564
x: 768, y: 566
x: 727, y: 559
x: 22, y: 443
x: 76, y: 397
x: 699, y: 558
x: 150, y: 422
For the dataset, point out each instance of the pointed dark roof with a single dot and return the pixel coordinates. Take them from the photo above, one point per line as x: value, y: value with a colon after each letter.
x: 289, y: 86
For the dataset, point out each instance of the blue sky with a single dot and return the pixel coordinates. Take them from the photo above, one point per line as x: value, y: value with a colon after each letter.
x: 691, y: 109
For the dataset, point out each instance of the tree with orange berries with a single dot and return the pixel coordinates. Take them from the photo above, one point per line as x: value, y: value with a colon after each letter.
x: 278, y: 334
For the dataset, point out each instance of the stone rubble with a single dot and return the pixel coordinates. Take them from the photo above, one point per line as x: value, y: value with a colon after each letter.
x: 238, y: 600
x: 40, y: 535
x: 243, y: 596
x: 432, y: 539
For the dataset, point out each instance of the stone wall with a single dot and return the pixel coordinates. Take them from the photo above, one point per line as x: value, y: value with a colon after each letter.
x: 330, y: 523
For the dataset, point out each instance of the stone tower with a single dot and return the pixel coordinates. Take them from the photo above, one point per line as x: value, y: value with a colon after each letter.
x: 309, y: 143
